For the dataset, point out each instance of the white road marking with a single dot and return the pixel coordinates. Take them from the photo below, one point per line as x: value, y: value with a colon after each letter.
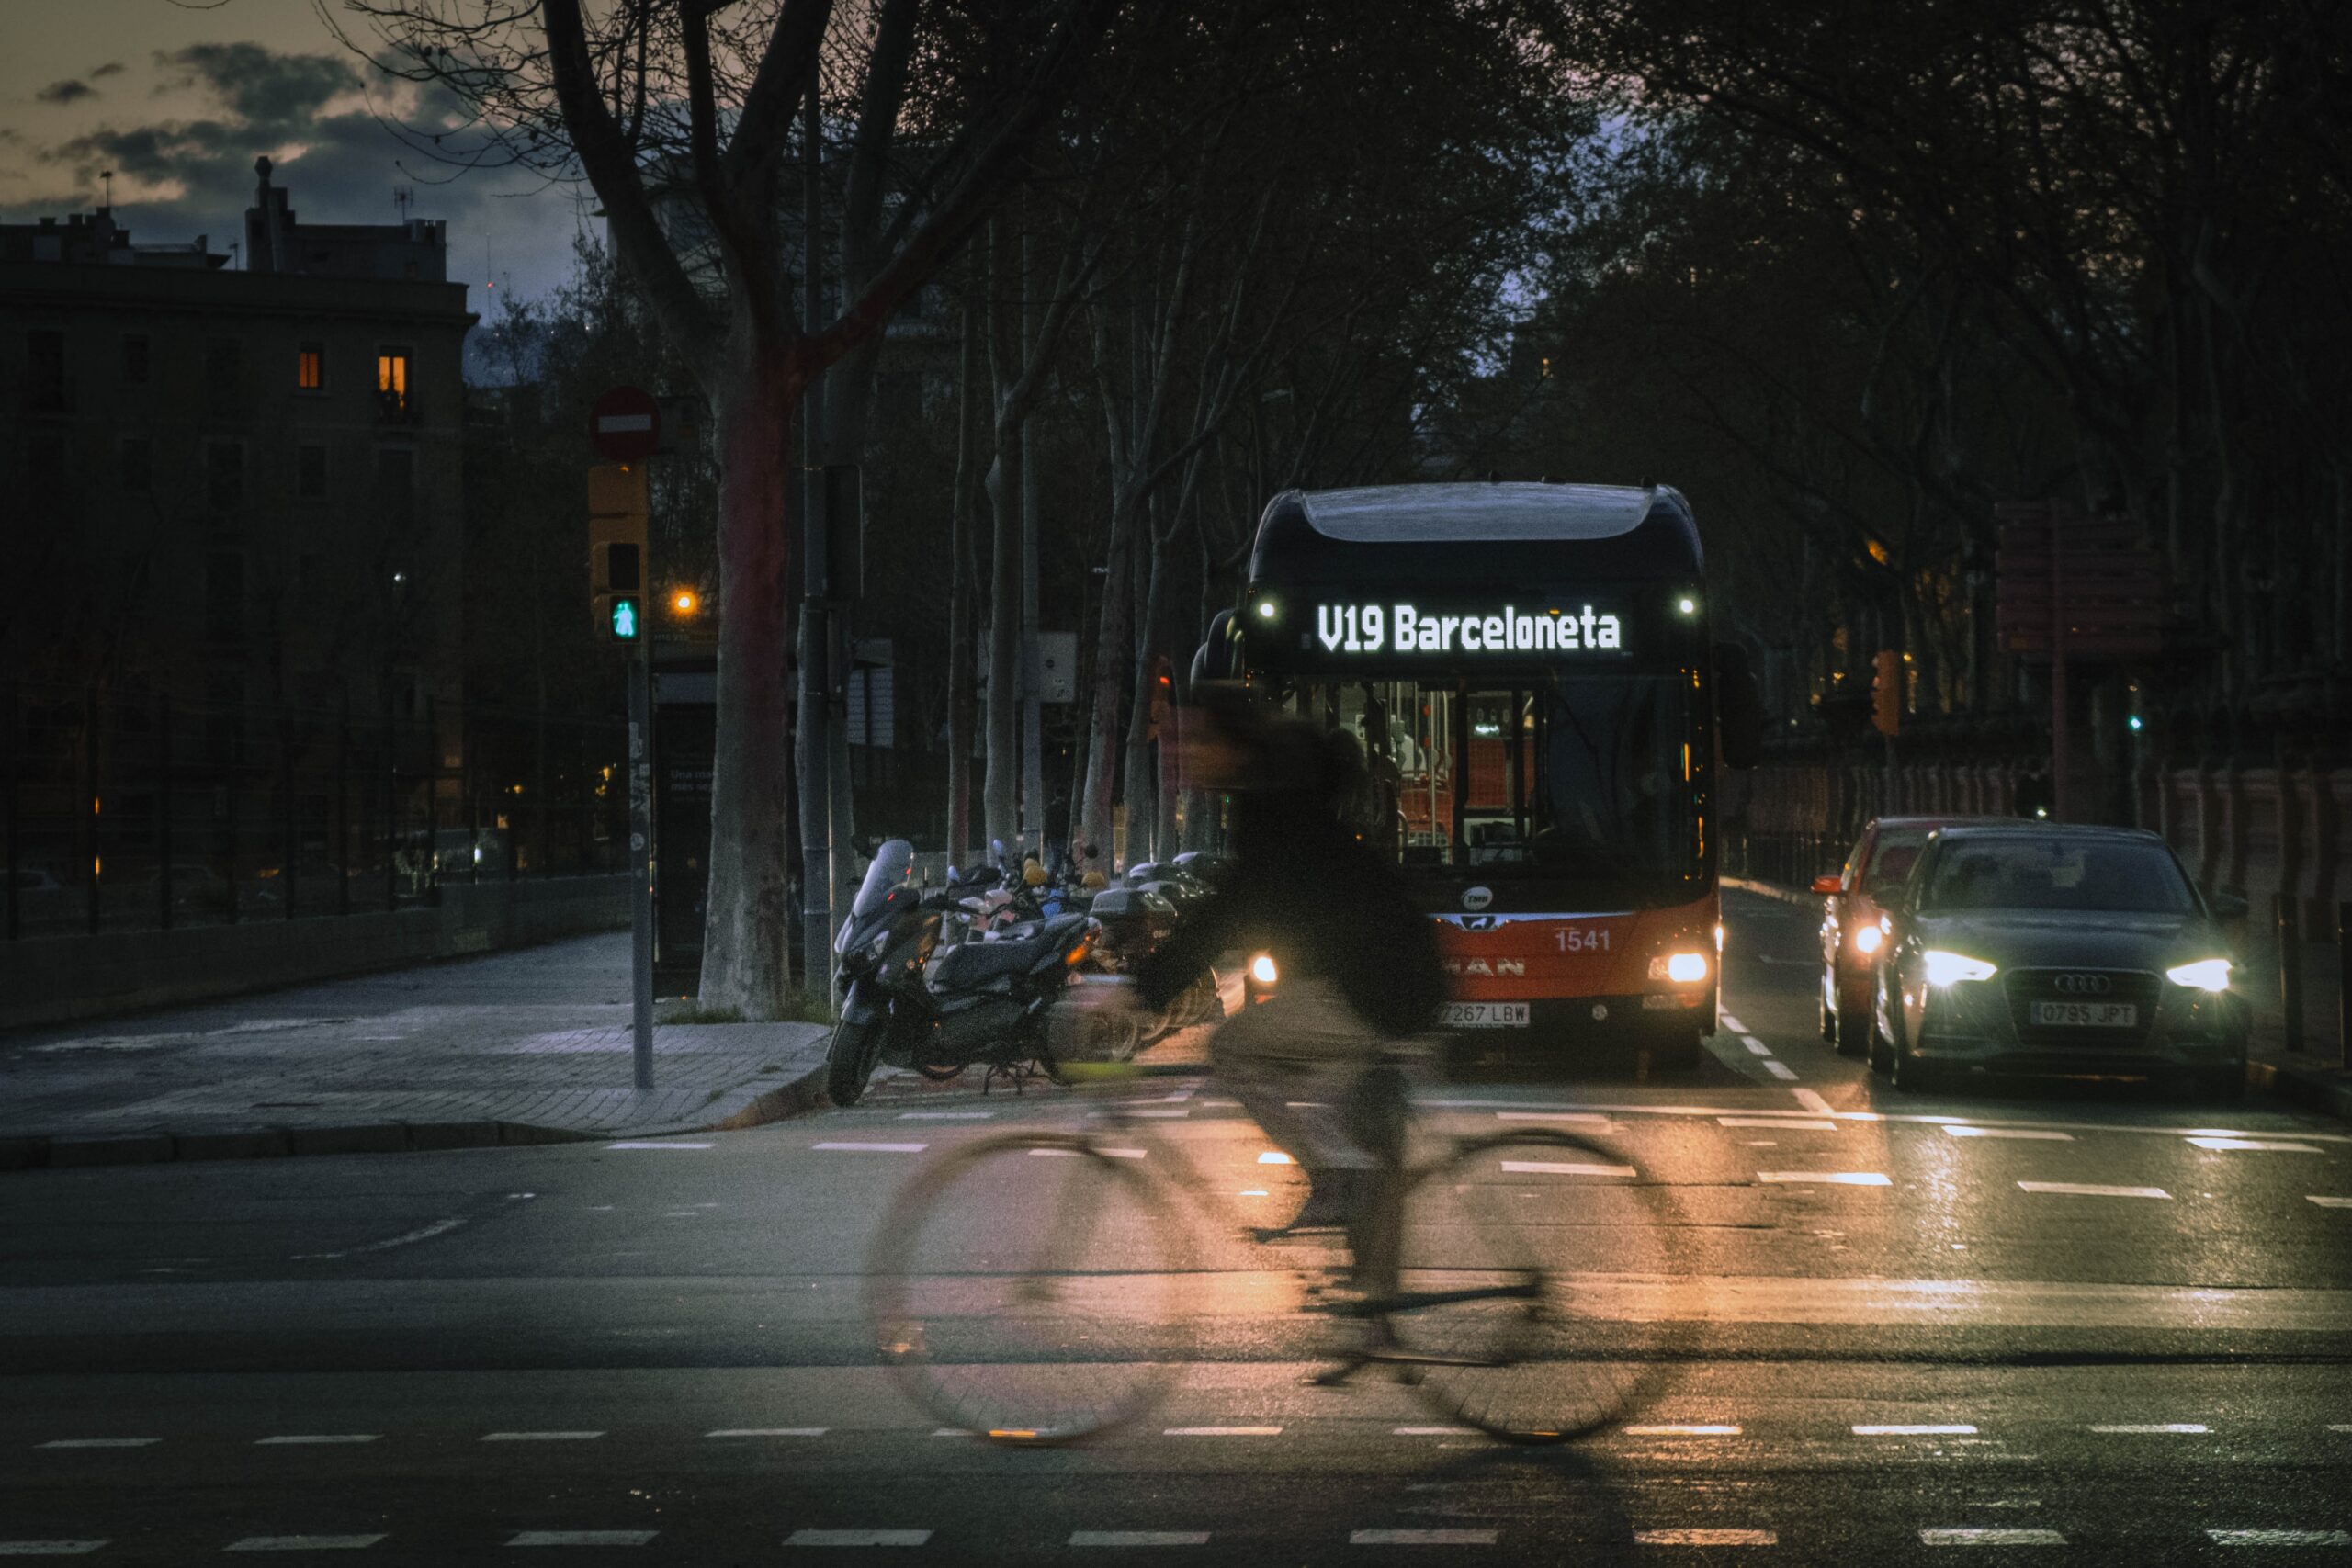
x: 1731, y: 1024
x: 857, y: 1538
x: 952, y: 1432
x: 1422, y: 1538
x: 1991, y: 1537
x: 540, y: 1436
x: 1929, y: 1430
x: 2154, y: 1428
x: 1791, y: 1124
x: 768, y: 1432
x: 1163, y: 1116
x: 654, y: 1143
x: 1780, y: 1069
x: 2327, y: 1202
x: 1557, y: 1167
x: 874, y: 1148
x: 2254, y: 1145
x: 2280, y: 1538
x: 1073, y: 1154
x: 1138, y: 1538
x: 1962, y: 1130
x: 1435, y: 1431
x: 2088, y: 1190
x: 318, y: 1438
x: 945, y: 1115
x: 1222, y: 1432
x: 1834, y: 1177
x: 1756, y: 1045
x: 1275, y: 1156
x: 101, y: 1442
x: 49, y: 1548
x: 1726, y: 1430
x: 582, y: 1538
x: 406, y: 1239
x: 1705, y: 1538
x: 1585, y: 1118
x: 302, y: 1543
x: 1812, y: 1100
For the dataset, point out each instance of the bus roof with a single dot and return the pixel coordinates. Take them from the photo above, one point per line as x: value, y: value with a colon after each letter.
x: 1635, y: 530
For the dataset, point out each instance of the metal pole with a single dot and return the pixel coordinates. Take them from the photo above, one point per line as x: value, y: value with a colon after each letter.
x: 1033, y: 718
x: 2058, y: 791
x: 816, y: 770
x: 640, y: 859
x: 163, y: 813
x: 2344, y: 984
x: 2288, y: 910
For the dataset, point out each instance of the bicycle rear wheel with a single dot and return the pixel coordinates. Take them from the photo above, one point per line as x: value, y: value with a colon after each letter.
x: 1025, y: 1288
x: 1510, y: 1315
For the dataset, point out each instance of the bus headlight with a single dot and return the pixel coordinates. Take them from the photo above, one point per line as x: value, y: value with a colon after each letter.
x: 1682, y: 968
x: 2205, y: 975
x: 1867, y: 939
x: 1952, y: 968
x: 1261, y: 969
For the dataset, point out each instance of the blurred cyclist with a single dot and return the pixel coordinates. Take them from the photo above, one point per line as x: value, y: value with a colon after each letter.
x: 1357, y: 962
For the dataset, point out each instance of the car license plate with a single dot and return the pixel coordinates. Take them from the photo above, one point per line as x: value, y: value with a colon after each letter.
x: 2087, y: 1015
x: 1486, y: 1015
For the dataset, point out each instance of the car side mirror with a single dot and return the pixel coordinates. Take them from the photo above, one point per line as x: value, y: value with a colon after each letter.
x: 1829, y: 885
x: 2228, y: 907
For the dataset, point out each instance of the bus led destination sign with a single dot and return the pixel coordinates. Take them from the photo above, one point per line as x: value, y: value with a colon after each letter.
x: 1401, y: 628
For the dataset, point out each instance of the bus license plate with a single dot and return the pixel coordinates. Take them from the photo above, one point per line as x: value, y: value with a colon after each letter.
x: 2087, y: 1015
x: 1486, y: 1015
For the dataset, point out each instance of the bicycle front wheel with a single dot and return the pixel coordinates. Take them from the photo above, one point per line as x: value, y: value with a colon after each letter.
x: 1025, y: 1288
x: 1505, y: 1317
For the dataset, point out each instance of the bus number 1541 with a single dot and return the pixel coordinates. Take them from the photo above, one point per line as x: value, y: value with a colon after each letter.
x: 1584, y: 939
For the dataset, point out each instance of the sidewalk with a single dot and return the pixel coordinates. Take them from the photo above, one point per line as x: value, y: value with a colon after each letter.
x: 521, y: 1047
x: 2312, y: 1076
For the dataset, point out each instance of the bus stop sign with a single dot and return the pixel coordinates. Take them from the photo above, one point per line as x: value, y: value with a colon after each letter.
x: 624, y: 424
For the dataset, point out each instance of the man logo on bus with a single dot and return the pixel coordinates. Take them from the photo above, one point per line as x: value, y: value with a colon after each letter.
x: 1366, y: 628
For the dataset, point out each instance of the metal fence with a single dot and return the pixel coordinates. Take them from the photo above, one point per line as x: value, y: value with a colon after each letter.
x: 135, y: 812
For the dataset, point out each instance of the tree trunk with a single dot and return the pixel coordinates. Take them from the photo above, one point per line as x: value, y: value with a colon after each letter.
x: 745, y: 929
x: 960, y: 631
x: 1002, y: 791
x: 1112, y: 656
x: 1142, y: 778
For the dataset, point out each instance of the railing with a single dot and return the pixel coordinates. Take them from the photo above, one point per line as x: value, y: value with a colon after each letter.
x: 129, y: 812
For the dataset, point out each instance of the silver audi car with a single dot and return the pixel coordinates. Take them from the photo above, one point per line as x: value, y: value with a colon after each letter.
x: 2049, y: 949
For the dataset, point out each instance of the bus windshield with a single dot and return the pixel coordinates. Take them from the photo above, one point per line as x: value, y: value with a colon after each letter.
x: 1581, y: 778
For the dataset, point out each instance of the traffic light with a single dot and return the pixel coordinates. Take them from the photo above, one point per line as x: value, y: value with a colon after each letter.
x: 617, y: 530
x: 1886, y: 692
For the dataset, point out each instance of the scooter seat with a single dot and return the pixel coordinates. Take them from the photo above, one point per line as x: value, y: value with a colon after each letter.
x: 973, y: 964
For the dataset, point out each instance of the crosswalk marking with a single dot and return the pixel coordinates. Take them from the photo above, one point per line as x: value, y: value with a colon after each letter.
x: 582, y: 1538
x: 654, y: 1143
x: 1963, y: 1130
x: 857, y: 1538
x: 1422, y: 1538
x: 540, y: 1436
x: 2092, y: 1190
x: 1953, y: 1430
x: 1222, y: 1432
x: 308, y: 1439
x: 1563, y: 1167
x: 1705, y: 1536
x: 1991, y: 1537
x: 303, y: 1543
x: 1138, y: 1538
x: 768, y: 1432
x: 2153, y: 1429
x: 2280, y: 1538
x: 1780, y: 1069
x: 1723, y: 1430
x: 1787, y: 1124
x: 874, y: 1148
x: 1834, y: 1178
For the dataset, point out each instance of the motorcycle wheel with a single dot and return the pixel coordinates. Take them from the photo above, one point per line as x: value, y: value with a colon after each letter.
x: 849, y: 1060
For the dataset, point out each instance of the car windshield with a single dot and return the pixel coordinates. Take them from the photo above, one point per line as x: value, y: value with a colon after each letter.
x: 1586, y: 778
x: 1892, y: 857
x: 2017, y: 872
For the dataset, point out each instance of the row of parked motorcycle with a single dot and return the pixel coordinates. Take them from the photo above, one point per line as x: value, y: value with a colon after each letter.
x: 986, y: 971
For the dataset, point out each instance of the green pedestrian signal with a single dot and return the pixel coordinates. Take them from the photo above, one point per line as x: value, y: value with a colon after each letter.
x: 625, y: 618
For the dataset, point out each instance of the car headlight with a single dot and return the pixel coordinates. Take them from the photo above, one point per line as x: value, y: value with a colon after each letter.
x: 1867, y: 939
x: 1952, y: 968
x: 1261, y: 969
x: 1682, y: 968
x: 2205, y: 975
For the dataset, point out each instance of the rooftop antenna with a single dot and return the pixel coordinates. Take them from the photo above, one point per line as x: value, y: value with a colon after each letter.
x: 108, y: 176
x: 401, y: 197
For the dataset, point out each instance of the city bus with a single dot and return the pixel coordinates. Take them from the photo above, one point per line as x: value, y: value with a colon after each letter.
x: 1544, y: 718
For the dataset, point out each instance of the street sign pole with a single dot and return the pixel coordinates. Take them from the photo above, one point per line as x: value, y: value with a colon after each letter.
x: 2057, y: 675
x: 641, y: 857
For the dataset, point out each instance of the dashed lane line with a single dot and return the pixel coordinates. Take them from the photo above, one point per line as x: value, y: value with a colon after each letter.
x: 49, y: 1548
x: 1434, y: 1431
x: 2254, y: 1145
x: 303, y: 1543
x: 1423, y: 1538
x: 1562, y: 1168
x: 2092, y: 1190
x: 654, y: 1143
x: 1138, y: 1538
x: 2325, y: 1201
x: 1780, y: 1069
x: 769, y: 1432
x: 1991, y: 1537
x: 1832, y: 1177
x: 857, y: 1538
x: 1731, y: 1024
x: 1917, y: 1430
x: 1222, y: 1432
x: 1812, y: 1100
x: 1789, y: 1123
x: 309, y: 1439
x: 1960, y: 1130
x: 872, y: 1148
x: 100, y: 1442
x: 946, y: 1115
x: 1075, y: 1154
x: 540, y: 1436
x: 1756, y: 1045
x: 1705, y: 1536
x: 2153, y: 1429
x: 1721, y: 1429
x: 582, y: 1538
x: 2280, y: 1538
x: 1580, y: 1118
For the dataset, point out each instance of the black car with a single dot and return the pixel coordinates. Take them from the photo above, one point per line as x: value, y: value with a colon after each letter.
x: 2056, y: 949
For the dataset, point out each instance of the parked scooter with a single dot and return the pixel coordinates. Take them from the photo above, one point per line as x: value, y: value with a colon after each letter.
x: 910, y: 1002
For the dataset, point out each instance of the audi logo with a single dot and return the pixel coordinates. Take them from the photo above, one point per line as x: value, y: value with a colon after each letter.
x: 2084, y: 985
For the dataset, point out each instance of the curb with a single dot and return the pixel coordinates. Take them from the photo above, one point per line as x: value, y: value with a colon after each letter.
x: 76, y: 1151
x: 2324, y: 1089
x: 1771, y: 890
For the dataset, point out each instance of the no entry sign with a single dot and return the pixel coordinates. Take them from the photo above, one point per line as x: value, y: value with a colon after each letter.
x: 624, y: 424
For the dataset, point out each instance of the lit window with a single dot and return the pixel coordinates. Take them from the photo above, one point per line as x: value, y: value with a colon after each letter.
x: 392, y: 382
x: 310, y: 368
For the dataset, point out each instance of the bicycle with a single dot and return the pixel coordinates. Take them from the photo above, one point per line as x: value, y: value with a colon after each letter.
x: 1042, y: 1287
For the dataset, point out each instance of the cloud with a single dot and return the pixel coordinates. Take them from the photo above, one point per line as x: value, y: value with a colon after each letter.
x: 111, y: 68
x: 65, y: 92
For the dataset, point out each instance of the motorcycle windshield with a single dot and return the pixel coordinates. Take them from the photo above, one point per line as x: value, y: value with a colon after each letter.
x: 894, y: 863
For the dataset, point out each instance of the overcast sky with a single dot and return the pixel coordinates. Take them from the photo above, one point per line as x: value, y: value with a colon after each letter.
x: 179, y: 96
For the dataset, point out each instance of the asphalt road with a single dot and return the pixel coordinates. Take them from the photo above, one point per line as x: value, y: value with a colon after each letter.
x: 2049, y: 1319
